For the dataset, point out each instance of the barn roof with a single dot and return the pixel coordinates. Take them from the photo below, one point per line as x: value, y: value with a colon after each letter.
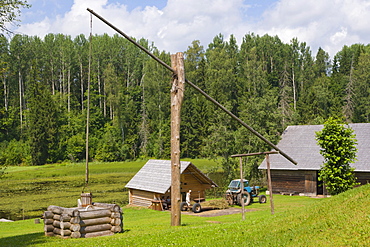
x: 155, y: 176
x: 299, y: 143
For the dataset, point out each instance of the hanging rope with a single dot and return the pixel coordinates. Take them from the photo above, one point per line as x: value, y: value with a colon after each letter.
x: 88, y: 108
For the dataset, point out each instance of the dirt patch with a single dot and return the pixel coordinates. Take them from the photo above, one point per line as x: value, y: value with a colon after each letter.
x: 210, y: 212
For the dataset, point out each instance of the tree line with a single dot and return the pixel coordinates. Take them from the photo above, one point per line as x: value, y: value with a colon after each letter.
x: 267, y: 83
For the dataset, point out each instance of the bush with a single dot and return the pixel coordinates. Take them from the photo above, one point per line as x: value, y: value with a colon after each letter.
x: 15, y: 153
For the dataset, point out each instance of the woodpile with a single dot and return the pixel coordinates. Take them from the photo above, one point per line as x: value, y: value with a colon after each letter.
x: 98, y: 219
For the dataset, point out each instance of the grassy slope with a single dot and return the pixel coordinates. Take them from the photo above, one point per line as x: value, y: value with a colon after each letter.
x: 29, y: 190
x: 341, y: 220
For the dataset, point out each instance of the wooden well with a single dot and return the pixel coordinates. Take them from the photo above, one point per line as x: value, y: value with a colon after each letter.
x: 97, y: 219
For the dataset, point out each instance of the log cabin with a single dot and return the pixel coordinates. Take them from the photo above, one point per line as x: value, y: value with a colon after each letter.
x: 299, y: 142
x: 153, y: 181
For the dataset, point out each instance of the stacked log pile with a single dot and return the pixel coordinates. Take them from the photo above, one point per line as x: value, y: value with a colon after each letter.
x: 98, y: 219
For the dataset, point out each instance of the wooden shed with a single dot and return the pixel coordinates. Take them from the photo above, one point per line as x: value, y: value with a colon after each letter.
x: 153, y: 181
x: 299, y: 142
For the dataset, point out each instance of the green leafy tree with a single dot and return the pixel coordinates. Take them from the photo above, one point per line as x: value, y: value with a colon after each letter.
x: 338, y: 147
x: 9, y: 12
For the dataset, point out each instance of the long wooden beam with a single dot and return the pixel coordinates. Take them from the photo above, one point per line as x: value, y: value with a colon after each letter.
x: 196, y: 88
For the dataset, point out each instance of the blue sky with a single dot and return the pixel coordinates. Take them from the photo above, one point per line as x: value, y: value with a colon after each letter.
x: 173, y: 24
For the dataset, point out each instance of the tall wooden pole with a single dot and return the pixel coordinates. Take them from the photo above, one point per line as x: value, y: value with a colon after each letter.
x: 269, y: 183
x: 88, y: 108
x: 242, y: 186
x: 177, y: 95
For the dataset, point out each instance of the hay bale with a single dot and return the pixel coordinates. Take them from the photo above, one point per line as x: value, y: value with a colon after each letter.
x: 216, y: 204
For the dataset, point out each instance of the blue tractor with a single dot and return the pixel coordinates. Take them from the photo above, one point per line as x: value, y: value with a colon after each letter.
x: 234, y: 195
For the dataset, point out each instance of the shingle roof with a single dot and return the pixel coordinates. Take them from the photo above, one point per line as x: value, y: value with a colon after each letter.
x: 299, y: 143
x: 155, y: 176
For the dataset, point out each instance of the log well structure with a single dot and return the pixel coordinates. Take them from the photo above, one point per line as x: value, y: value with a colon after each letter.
x: 98, y: 219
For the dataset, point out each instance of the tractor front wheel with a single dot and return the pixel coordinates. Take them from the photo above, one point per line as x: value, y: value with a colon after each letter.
x: 197, y: 208
x: 262, y: 199
x: 246, y: 197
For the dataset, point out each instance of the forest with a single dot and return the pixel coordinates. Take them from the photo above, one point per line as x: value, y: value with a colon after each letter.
x: 267, y: 83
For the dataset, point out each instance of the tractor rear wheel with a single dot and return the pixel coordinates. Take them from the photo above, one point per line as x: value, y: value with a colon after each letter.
x: 262, y: 199
x: 246, y: 197
x: 197, y: 208
x: 183, y: 206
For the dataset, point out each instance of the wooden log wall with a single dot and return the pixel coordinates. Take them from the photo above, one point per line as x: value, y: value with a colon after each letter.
x: 99, y: 219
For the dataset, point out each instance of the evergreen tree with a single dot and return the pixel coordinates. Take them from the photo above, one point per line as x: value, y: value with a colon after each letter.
x: 42, y: 128
x: 362, y: 89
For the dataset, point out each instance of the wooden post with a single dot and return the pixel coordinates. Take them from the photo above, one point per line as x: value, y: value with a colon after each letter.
x: 269, y: 183
x: 242, y: 186
x: 177, y: 94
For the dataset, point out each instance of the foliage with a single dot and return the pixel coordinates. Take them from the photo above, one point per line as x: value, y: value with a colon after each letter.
x: 9, y: 12
x: 15, y: 153
x: 338, y: 147
x: 42, y: 125
x: 265, y: 82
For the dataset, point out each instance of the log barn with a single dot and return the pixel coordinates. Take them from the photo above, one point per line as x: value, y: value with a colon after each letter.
x: 153, y: 181
x: 299, y: 142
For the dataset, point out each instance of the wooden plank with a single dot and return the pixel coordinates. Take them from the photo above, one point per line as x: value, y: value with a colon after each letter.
x: 95, y: 221
x: 75, y: 234
x: 116, y: 215
x: 61, y: 224
x: 65, y: 218
x: 48, y: 221
x: 48, y: 228
x: 56, y: 217
x: 75, y: 220
x: 96, y: 228
x: 95, y: 214
x: 60, y: 210
x: 49, y: 234
x: 116, y: 222
x: 62, y: 232
x: 112, y: 207
x: 116, y: 229
x: 97, y: 234
x: 48, y: 215
x: 75, y: 227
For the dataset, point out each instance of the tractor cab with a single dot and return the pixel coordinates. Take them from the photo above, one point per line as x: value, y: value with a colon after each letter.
x: 235, y: 185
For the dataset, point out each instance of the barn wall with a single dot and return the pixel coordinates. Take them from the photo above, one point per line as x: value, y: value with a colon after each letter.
x: 363, y: 177
x: 294, y: 182
x: 189, y: 182
x: 141, y: 198
x: 304, y: 181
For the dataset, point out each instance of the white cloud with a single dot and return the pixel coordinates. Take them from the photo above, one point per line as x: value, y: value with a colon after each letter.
x: 329, y: 24
x: 339, y: 36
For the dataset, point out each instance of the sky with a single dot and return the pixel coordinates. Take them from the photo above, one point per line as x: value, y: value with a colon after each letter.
x: 173, y: 24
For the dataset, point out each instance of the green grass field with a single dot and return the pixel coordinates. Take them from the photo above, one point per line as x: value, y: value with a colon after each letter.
x: 341, y: 220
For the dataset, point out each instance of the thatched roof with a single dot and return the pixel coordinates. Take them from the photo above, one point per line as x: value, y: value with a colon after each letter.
x: 155, y: 176
x: 299, y: 143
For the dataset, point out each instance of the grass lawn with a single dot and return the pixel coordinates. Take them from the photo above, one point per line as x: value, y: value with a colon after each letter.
x: 341, y: 220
